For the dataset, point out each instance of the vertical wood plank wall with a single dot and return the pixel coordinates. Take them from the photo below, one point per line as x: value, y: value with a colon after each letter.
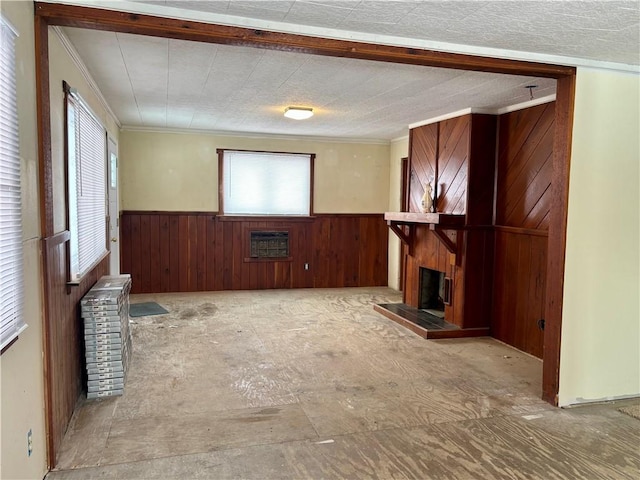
x: 525, y: 148
x: 191, y: 251
x: 65, y: 340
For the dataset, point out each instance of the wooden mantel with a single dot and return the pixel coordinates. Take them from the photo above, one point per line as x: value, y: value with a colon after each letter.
x: 448, y: 220
x: 436, y: 221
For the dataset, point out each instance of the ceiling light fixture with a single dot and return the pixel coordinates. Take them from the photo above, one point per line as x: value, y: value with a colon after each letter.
x: 298, y: 113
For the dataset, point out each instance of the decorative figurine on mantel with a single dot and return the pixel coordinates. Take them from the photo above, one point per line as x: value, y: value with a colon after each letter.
x: 427, y: 198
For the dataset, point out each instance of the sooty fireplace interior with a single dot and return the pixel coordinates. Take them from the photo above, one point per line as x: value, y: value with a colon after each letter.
x: 435, y: 291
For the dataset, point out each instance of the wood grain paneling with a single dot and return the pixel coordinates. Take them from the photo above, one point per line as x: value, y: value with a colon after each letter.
x: 519, y: 292
x: 423, y: 153
x: 204, y: 252
x: 64, y: 338
x: 460, y: 152
x: 523, y: 193
x: 481, y: 170
x: 565, y: 95
x: 453, y: 164
x: 472, y: 274
x: 478, y: 261
x: 523, y: 203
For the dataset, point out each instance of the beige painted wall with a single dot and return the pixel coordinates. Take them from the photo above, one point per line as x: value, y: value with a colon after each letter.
x: 21, y: 369
x: 179, y: 171
x: 398, y: 149
x: 21, y: 366
x: 62, y: 67
x: 600, y: 346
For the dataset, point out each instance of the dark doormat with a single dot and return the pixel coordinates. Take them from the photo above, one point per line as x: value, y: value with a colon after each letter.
x: 144, y: 309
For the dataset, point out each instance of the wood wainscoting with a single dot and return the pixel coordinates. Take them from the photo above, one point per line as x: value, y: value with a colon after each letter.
x: 64, y: 341
x: 194, y: 251
x: 519, y: 288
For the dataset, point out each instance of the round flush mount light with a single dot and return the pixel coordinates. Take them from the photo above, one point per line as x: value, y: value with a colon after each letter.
x: 298, y: 113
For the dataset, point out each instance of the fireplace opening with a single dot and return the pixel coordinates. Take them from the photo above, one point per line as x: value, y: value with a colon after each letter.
x: 434, y: 292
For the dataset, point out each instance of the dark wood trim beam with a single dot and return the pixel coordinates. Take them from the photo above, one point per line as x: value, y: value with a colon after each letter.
x: 522, y: 231
x: 312, y: 182
x: 565, y: 100
x: 45, y: 173
x: 167, y: 212
x: 44, y: 129
x: 57, y: 239
x: 102, y: 19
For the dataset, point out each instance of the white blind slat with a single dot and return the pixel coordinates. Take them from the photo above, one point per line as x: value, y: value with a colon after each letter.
x: 11, y: 262
x: 87, y: 171
x: 257, y: 183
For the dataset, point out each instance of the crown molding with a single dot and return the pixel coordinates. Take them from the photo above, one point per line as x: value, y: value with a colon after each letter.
x: 75, y: 57
x: 399, y: 139
x: 486, y: 111
x: 528, y: 104
x: 270, y: 136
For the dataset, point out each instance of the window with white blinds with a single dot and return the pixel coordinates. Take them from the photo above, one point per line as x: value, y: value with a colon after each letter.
x: 264, y: 183
x: 11, y: 273
x: 86, y: 144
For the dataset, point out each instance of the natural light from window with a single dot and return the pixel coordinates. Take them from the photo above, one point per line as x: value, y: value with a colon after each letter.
x: 263, y: 183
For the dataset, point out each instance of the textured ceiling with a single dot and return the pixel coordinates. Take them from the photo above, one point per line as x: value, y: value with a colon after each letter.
x: 153, y: 82
x: 607, y: 31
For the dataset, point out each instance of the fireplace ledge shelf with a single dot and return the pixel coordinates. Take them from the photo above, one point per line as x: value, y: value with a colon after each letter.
x: 444, y: 220
x: 436, y: 221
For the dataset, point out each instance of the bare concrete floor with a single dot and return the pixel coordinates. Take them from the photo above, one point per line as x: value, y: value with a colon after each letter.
x: 303, y: 384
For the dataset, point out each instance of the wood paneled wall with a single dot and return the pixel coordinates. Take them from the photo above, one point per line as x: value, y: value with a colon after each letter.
x: 523, y: 202
x: 460, y: 152
x: 472, y: 273
x: 422, y: 167
x: 188, y: 251
x: 453, y: 164
x: 65, y: 338
x: 525, y: 149
x: 519, y: 292
x: 430, y: 252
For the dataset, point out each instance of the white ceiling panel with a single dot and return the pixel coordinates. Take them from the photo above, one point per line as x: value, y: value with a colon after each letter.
x: 154, y: 82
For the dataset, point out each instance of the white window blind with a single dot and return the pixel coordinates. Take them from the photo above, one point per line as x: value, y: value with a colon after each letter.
x: 11, y: 274
x: 257, y: 183
x: 87, y: 186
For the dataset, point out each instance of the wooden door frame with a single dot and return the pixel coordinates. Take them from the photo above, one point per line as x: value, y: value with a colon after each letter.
x: 50, y: 14
x: 404, y: 207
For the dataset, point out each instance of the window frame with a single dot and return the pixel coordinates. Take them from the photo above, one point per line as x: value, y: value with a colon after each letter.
x: 12, y: 320
x: 221, y: 211
x: 73, y: 278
